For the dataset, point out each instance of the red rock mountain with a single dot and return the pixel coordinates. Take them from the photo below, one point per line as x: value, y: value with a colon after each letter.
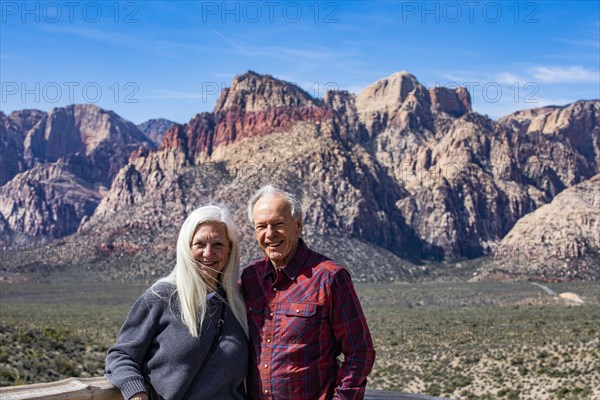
x: 156, y: 128
x: 399, y: 170
x: 255, y: 105
x: 558, y: 241
x: 57, y: 165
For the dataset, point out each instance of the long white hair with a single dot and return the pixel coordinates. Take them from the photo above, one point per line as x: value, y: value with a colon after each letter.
x: 191, y: 287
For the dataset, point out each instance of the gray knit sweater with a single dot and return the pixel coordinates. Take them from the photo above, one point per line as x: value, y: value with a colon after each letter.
x: 155, y: 346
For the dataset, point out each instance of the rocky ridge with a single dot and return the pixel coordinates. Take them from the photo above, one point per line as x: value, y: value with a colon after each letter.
x: 156, y: 128
x: 13, y: 129
x: 58, y: 165
x: 254, y: 105
x: 469, y: 178
x: 400, y: 168
x: 48, y: 201
x: 544, y: 243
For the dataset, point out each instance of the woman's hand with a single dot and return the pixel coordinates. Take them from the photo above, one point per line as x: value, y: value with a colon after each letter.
x: 139, y: 396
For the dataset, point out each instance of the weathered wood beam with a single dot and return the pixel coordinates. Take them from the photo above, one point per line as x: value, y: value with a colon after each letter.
x: 71, y: 389
x: 100, y: 389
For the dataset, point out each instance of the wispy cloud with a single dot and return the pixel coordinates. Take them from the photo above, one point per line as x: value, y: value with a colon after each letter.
x: 97, y: 35
x: 549, y: 75
x: 520, y: 87
x: 593, y: 43
x: 241, y: 49
x: 574, y: 73
x: 510, y: 78
x: 586, y: 37
x: 294, y: 54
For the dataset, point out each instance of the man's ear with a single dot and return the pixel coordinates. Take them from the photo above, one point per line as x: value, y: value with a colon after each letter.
x: 299, y: 226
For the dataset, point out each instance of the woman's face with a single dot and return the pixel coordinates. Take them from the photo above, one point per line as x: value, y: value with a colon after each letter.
x: 210, y: 248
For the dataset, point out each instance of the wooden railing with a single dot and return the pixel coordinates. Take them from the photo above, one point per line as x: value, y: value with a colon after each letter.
x: 101, y: 389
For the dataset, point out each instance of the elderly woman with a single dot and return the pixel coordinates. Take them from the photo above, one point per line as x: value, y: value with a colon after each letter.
x: 186, y: 336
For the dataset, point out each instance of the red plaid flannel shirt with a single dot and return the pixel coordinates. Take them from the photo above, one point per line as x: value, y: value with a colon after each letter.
x: 300, y: 321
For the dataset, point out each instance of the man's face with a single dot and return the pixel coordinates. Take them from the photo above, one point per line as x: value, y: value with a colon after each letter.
x: 276, y: 231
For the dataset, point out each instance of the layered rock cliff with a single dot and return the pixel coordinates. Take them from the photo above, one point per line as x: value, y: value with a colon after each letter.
x: 566, y: 138
x: 254, y: 105
x: 58, y: 165
x: 13, y: 130
x: 48, y: 201
x: 558, y: 241
x: 399, y: 168
x: 102, y: 136
x: 470, y: 178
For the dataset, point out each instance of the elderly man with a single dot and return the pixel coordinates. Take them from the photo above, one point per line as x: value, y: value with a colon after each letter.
x: 303, y: 312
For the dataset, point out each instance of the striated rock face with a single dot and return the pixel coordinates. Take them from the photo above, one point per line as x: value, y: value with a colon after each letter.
x: 156, y: 129
x: 348, y: 123
x: 411, y: 169
x: 454, y: 102
x: 254, y: 105
x: 252, y: 92
x: 343, y: 193
x: 398, y: 168
x: 24, y: 120
x: 13, y: 129
x: 570, y: 136
x: 102, y: 136
x: 56, y: 166
x: 558, y: 241
x: 32, y: 137
x: 194, y: 138
x: 469, y: 178
x: 47, y: 201
x: 387, y: 95
x: 401, y: 102
x: 380, y: 104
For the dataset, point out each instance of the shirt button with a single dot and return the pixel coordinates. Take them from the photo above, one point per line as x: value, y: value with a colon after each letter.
x: 266, y: 391
x: 266, y: 365
x: 270, y: 314
x: 274, y: 289
x: 297, y: 311
x: 268, y: 340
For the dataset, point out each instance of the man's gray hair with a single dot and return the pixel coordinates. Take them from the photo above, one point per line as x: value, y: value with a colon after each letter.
x: 295, y: 207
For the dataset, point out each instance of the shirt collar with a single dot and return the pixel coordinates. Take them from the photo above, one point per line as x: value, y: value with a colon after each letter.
x: 293, y: 267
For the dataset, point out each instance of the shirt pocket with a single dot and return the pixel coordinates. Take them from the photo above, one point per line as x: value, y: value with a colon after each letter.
x: 300, y: 322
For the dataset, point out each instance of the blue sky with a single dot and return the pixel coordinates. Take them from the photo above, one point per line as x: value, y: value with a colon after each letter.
x: 151, y: 59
